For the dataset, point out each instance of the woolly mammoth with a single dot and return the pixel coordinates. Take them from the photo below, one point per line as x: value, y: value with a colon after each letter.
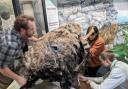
x: 55, y: 56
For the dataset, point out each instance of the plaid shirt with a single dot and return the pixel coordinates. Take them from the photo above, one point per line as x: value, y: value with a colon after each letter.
x: 11, y: 47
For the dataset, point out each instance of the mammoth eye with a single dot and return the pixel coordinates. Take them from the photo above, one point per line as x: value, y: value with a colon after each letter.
x: 54, y: 48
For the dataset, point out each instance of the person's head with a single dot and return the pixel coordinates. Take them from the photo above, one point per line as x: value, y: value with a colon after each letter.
x: 25, y: 25
x: 107, y: 58
x: 94, y: 35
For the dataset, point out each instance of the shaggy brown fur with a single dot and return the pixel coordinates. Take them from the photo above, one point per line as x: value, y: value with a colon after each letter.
x: 55, y: 55
x: 64, y: 39
x: 108, y: 32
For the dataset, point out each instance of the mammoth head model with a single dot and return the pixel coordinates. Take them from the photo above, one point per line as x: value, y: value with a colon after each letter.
x: 55, y: 56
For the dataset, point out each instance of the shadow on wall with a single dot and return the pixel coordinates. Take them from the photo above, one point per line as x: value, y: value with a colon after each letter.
x: 0, y: 24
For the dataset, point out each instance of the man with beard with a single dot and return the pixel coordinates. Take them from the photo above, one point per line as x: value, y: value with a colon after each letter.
x: 13, y: 43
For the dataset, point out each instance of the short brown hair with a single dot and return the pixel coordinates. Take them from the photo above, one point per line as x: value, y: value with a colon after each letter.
x: 22, y: 22
x: 107, y: 54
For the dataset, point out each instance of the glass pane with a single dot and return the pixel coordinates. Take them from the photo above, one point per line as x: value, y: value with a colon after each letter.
x: 34, y: 8
x: 6, y: 14
x: 110, y: 16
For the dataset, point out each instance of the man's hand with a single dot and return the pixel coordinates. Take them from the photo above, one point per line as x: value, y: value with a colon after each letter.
x: 83, y: 38
x: 21, y: 81
x: 82, y: 78
x: 33, y: 38
x: 84, y: 42
x: 9, y: 73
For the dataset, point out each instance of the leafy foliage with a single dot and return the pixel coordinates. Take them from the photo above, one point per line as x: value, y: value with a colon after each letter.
x: 121, y: 50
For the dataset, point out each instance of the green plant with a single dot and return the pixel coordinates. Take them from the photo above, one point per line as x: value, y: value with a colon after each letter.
x: 121, y: 50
